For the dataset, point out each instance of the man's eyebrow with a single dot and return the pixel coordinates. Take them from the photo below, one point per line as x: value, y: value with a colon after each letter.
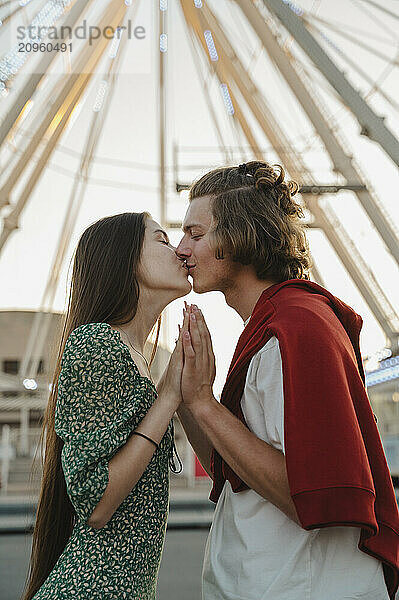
x: 191, y: 226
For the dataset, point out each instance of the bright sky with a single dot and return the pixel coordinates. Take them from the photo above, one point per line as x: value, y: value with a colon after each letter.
x: 130, y: 134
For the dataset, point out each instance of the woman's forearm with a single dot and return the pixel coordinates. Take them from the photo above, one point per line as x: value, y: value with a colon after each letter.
x: 127, y: 466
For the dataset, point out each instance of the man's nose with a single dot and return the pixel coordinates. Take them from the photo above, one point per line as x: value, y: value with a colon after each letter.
x: 182, y: 250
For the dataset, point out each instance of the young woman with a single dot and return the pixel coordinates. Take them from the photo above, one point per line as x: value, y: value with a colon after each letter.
x: 103, y: 504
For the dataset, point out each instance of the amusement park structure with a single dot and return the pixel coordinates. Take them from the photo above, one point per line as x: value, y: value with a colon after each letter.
x: 246, y: 104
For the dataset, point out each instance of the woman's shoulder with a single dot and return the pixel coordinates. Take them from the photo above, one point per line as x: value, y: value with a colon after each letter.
x: 92, y: 333
x: 90, y: 340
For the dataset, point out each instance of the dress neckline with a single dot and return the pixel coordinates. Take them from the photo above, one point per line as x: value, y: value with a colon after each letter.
x: 118, y: 336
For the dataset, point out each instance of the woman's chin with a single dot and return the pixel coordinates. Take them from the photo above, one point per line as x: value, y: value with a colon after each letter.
x: 183, y: 289
x: 188, y: 287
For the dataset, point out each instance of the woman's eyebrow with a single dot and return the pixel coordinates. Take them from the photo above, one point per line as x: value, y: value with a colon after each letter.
x: 163, y: 233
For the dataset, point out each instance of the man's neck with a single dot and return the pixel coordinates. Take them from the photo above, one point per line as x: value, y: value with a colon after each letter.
x: 245, y: 294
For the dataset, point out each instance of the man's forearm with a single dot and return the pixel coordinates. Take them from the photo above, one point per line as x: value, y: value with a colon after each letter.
x: 261, y: 466
x: 197, y: 438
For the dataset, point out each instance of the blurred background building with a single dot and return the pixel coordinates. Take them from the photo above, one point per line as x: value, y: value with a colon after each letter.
x: 22, y: 402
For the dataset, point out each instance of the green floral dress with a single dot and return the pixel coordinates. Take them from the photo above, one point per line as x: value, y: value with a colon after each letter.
x: 101, y: 399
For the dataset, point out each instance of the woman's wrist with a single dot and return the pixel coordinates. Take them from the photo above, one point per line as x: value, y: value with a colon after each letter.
x: 170, y: 399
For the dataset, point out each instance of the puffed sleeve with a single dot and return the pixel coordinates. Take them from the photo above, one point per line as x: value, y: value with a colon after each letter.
x: 95, y: 414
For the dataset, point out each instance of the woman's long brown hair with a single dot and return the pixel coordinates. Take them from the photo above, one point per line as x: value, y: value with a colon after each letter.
x: 104, y: 289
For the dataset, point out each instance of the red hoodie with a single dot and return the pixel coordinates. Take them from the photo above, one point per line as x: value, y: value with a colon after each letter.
x: 337, y: 471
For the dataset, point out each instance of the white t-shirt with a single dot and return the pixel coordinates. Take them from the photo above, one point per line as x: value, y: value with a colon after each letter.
x: 254, y: 551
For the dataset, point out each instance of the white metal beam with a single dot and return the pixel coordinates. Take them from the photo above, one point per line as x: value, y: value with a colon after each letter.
x: 342, y: 161
x: 72, y: 17
x: 205, y: 89
x: 367, y: 285
x: 162, y: 20
x: 54, y: 122
x: 42, y: 319
x: 246, y: 85
x: 191, y: 17
x: 372, y: 125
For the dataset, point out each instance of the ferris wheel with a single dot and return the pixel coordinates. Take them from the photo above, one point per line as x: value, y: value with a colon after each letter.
x: 228, y: 45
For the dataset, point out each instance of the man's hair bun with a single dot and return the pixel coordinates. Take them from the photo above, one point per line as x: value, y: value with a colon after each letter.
x: 271, y: 180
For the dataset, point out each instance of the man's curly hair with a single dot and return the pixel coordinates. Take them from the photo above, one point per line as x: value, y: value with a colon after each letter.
x: 255, y: 219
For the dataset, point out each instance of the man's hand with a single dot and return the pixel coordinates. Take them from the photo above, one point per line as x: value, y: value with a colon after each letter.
x: 199, y: 369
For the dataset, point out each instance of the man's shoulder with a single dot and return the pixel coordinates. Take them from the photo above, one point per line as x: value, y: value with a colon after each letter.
x: 265, y: 356
x: 271, y: 346
x: 310, y: 316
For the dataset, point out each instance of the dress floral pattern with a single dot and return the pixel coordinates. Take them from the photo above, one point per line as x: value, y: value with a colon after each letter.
x: 101, y: 399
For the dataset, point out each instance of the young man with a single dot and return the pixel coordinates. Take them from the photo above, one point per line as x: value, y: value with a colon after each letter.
x: 305, y: 504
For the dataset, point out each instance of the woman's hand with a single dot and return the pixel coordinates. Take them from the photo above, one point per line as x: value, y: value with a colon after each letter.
x: 169, y: 385
x: 199, y: 360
